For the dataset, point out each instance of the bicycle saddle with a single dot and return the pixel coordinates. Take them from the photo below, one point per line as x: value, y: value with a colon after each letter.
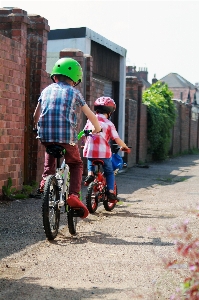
x: 97, y: 162
x: 56, y: 150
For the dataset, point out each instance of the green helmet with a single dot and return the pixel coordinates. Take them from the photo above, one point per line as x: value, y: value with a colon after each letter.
x: 68, y: 67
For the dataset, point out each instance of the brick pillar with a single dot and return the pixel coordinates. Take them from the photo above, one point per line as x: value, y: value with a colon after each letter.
x: 143, y: 73
x: 132, y: 87
x: 130, y: 130
x: 14, y: 24
x: 37, y: 36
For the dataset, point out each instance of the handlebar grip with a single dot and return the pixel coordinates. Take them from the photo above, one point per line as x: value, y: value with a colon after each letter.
x: 84, y: 132
x: 126, y: 150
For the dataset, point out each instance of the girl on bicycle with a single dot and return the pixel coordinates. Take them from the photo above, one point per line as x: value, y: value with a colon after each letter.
x: 97, y: 146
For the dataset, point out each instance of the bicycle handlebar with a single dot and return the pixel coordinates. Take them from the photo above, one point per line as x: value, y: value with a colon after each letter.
x: 121, y: 149
x: 89, y: 133
x: 84, y: 133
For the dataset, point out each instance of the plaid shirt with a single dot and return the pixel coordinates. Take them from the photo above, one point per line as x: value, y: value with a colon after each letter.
x: 58, y: 121
x: 97, y: 146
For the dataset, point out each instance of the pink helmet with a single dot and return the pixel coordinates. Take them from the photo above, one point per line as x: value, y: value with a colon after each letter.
x: 104, y: 105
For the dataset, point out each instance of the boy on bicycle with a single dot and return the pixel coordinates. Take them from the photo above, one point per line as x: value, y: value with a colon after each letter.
x: 55, y: 117
x: 97, y: 146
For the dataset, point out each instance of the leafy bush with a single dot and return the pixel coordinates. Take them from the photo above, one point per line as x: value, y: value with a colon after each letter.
x: 161, y: 114
x: 187, y: 247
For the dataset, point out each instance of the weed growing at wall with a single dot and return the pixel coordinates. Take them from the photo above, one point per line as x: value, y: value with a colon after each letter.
x: 161, y: 114
x: 10, y: 193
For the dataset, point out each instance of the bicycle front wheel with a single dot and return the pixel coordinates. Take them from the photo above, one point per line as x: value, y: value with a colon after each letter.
x: 92, y: 197
x: 50, y: 209
x: 110, y: 205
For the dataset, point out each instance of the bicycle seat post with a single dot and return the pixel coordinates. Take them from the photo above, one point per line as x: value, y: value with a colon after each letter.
x: 58, y: 162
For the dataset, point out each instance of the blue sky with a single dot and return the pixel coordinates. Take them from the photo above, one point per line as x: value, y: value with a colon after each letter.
x: 162, y: 36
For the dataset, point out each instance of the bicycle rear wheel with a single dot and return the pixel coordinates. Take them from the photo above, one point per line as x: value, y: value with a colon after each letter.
x: 72, y: 222
x: 92, y: 197
x: 110, y: 205
x: 50, y: 209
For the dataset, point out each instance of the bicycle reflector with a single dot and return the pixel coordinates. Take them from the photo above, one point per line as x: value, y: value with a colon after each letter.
x: 117, y: 161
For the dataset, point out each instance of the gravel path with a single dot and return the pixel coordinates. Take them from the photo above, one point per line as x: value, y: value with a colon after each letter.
x: 116, y: 255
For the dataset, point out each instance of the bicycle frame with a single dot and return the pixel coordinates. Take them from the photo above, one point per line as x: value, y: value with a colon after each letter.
x: 100, y: 179
x: 63, y: 177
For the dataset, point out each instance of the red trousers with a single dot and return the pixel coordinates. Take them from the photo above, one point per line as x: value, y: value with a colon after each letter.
x: 73, y: 159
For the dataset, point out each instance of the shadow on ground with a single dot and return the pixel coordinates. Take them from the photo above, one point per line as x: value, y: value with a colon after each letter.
x: 23, y: 290
x: 21, y: 220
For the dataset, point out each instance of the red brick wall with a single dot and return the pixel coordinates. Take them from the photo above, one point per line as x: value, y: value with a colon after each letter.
x: 185, y: 122
x: 23, y: 60
x: 12, y: 103
x: 130, y: 130
x: 193, y: 134
x: 185, y: 134
x: 135, y: 122
x: 176, y: 132
x: 143, y: 144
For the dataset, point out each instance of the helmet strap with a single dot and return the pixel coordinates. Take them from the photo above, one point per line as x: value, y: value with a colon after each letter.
x: 109, y: 115
x: 76, y: 83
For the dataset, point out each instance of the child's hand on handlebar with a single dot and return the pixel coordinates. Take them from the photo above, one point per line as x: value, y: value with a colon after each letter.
x: 125, y: 149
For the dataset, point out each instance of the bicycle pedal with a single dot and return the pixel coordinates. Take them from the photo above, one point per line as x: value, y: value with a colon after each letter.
x: 61, y: 203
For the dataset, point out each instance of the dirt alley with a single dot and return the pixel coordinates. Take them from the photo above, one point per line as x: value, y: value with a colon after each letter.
x: 116, y: 255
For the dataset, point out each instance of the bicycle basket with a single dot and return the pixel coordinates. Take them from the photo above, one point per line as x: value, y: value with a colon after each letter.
x: 117, y: 161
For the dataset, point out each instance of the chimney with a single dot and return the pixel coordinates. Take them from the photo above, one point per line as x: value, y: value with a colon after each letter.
x: 154, y: 80
x: 131, y: 71
x: 143, y: 74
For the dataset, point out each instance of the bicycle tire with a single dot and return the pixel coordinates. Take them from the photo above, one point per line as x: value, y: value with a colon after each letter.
x: 72, y: 222
x: 109, y: 206
x: 50, y: 209
x: 92, y: 198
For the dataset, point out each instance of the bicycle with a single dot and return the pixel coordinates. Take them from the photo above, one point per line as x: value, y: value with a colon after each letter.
x: 55, y: 195
x: 97, y: 189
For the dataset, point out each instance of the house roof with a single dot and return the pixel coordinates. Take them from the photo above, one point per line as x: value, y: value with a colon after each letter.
x: 145, y: 83
x: 174, y: 80
x: 85, y: 32
x: 137, y: 74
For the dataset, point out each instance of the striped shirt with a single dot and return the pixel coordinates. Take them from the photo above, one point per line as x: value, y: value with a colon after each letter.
x: 97, y: 146
x: 58, y: 120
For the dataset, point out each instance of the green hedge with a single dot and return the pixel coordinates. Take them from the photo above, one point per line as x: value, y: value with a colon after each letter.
x: 161, y: 114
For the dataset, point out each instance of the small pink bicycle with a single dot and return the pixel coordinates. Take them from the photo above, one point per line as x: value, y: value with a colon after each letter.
x: 97, y: 190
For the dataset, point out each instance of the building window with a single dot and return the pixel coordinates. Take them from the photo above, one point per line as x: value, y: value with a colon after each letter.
x: 181, y: 95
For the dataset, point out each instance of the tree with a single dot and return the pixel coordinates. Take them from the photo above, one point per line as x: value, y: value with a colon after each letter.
x: 161, y: 114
